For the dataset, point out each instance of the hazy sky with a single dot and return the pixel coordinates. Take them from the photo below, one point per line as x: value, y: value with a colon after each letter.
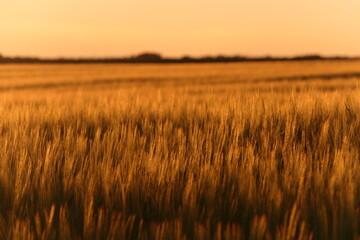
x: 54, y: 28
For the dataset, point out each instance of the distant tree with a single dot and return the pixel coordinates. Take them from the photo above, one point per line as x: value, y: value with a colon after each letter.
x: 148, y: 57
x: 308, y: 57
x: 186, y: 58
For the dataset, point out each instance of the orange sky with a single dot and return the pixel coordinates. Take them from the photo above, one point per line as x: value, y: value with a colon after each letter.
x: 52, y: 28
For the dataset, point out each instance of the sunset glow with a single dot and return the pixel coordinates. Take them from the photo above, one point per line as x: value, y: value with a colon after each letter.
x: 174, y: 28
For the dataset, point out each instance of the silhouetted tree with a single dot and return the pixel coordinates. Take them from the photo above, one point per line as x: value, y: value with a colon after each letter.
x: 148, y: 57
x: 308, y: 57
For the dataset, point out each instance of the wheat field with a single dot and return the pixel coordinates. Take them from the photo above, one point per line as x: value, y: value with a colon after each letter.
x: 180, y: 151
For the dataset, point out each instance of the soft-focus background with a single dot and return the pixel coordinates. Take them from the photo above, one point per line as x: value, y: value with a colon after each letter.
x: 95, y: 28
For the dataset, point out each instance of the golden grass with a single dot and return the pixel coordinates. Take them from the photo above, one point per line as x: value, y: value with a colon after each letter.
x: 179, y: 151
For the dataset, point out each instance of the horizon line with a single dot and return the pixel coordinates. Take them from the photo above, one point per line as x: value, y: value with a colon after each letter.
x: 155, y: 57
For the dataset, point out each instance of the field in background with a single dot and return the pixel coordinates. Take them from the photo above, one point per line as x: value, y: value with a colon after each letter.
x: 180, y: 151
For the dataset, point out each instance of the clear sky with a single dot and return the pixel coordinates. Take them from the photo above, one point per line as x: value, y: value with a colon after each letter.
x: 52, y: 28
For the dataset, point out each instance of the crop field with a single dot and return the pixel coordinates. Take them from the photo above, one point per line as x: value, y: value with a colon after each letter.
x: 262, y: 150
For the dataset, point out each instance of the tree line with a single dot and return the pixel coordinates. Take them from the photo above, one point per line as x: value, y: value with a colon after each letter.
x: 149, y: 57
